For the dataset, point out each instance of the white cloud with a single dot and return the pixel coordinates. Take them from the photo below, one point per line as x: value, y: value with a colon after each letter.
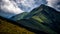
x: 54, y: 4
x: 9, y: 7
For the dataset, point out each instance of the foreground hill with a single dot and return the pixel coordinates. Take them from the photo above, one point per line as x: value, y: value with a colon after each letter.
x: 8, y: 26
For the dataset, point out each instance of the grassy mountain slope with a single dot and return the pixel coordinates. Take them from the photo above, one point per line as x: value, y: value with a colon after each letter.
x: 43, y: 18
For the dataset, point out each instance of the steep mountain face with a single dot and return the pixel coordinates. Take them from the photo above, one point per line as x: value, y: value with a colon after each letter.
x: 42, y: 18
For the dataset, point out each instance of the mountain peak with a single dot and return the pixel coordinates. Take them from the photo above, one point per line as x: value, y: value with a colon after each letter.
x: 42, y: 5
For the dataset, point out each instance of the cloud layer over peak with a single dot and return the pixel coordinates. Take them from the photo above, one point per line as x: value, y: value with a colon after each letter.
x: 13, y: 7
x: 54, y: 3
x: 10, y: 8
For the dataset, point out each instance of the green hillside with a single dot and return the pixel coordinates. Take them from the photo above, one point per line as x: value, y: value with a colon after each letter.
x: 19, y: 16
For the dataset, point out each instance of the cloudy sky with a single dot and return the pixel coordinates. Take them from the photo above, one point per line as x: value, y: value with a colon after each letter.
x: 9, y: 8
x: 54, y: 3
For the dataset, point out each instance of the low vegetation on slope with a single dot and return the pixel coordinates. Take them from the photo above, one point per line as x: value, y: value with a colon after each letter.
x: 8, y: 28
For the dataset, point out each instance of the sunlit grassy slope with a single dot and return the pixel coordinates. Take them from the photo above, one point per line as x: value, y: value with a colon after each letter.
x: 43, y: 26
x: 8, y: 28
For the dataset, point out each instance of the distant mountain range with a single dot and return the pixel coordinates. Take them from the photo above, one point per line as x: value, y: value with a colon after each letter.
x: 42, y: 18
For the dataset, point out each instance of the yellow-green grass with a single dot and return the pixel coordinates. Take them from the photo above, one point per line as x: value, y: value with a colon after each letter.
x: 8, y: 28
